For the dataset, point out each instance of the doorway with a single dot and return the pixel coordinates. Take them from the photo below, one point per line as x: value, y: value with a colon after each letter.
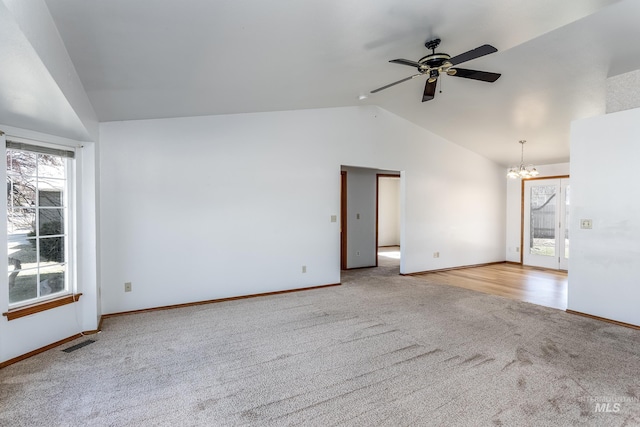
x: 388, y: 220
x: 545, y: 231
x: 359, y: 212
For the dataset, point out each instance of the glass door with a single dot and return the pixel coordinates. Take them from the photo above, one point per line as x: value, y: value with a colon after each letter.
x: 546, y: 219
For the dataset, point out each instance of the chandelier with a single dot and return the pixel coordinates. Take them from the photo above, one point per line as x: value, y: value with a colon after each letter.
x: 522, y: 171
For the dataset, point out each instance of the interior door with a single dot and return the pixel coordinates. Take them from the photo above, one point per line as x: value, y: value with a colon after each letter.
x: 546, y: 220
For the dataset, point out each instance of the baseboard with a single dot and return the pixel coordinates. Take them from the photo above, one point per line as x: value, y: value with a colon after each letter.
x: 513, y: 263
x: 38, y: 351
x: 604, y: 319
x: 214, y: 301
x: 418, y: 273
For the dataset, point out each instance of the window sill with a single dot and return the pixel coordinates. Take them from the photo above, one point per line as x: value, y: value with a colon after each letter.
x: 41, y: 306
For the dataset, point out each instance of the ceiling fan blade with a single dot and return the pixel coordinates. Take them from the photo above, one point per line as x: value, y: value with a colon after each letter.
x: 484, y: 76
x: 429, y: 91
x: 405, y: 62
x: 395, y: 83
x: 483, y: 50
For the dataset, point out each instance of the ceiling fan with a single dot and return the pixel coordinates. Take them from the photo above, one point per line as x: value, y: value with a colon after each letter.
x: 435, y: 63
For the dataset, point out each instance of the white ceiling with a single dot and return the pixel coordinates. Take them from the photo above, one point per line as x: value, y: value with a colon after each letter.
x: 151, y: 59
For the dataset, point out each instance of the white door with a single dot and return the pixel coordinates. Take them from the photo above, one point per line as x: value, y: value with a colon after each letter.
x: 546, y: 221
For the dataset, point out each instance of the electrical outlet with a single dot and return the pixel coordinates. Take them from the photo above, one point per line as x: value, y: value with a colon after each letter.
x: 517, y: 249
x: 586, y: 224
x: 304, y: 268
x: 334, y: 218
x: 357, y: 216
x: 357, y: 253
x: 436, y: 254
x: 127, y: 287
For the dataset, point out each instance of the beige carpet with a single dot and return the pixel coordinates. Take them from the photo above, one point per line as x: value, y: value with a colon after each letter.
x: 379, y: 350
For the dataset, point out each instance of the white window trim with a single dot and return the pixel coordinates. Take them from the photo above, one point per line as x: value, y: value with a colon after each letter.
x: 71, y: 293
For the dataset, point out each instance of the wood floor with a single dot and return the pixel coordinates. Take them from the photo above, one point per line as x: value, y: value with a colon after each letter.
x: 531, y: 284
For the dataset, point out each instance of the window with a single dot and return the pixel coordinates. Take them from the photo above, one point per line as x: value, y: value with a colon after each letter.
x: 39, y: 195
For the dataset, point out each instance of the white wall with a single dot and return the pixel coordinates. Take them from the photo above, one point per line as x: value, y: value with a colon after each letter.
x: 210, y: 207
x: 514, y: 210
x: 25, y: 334
x: 604, y: 274
x: 361, y: 217
x: 389, y: 211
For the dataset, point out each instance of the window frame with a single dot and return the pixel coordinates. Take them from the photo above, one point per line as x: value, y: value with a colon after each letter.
x: 69, y: 294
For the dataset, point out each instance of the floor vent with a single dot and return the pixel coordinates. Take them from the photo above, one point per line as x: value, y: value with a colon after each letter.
x: 78, y: 346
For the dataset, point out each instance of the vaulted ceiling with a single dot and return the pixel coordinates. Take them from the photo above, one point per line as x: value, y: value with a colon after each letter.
x: 149, y: 59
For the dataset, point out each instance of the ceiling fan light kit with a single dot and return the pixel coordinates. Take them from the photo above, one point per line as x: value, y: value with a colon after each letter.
x: 435, y: 64
x: 521, y: 171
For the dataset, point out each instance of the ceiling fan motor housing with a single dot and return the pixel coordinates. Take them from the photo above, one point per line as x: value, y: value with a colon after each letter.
x: 434, y: 60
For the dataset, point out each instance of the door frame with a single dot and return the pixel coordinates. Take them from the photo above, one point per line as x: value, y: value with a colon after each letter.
x: 344, y: 214
x: 522, y: 208
x: 343, y: 220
